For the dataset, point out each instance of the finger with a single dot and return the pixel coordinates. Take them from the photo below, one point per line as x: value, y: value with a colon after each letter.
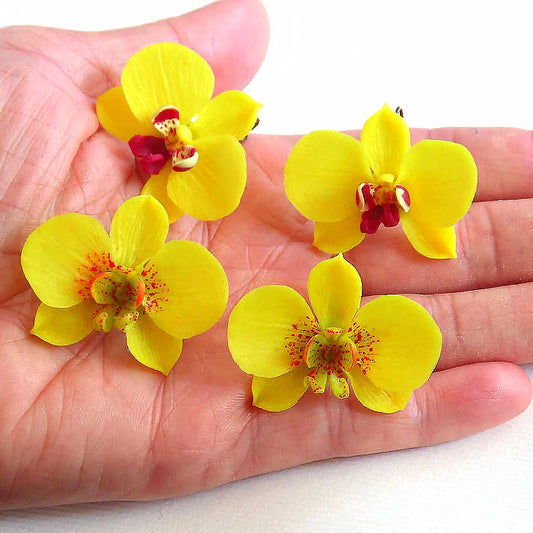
x: 504, y: 158
x: 491, y: 251
x: 232, y: 35
x: 453, y: 404
x: 484, y: 325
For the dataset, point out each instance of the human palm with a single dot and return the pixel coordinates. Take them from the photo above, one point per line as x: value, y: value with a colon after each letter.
x: 87, y: 422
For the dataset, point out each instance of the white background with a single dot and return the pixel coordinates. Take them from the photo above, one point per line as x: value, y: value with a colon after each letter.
x: 331, y: 64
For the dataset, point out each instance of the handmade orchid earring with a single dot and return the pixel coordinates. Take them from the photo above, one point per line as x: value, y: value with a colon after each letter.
x: 187, y: 142
x: 349, y: 187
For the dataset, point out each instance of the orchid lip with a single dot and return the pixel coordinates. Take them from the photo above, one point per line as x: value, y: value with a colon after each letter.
x: 381, y: 203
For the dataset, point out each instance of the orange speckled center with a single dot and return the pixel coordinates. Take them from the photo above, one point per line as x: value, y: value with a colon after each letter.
x: 121, y: 293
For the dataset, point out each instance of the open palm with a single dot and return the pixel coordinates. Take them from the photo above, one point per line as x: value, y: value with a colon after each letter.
x: 87, y: 422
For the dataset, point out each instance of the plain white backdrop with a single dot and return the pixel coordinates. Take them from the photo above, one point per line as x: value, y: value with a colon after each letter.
x: 331, y: 64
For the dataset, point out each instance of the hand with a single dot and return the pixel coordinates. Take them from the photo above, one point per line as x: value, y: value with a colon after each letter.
x: 88, y: 423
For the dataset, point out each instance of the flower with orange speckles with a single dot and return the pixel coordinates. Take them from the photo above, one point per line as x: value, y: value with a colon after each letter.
x: 349, y: 188
x: 157, y: 293
x: 187, y: 142
x: 385, y: 349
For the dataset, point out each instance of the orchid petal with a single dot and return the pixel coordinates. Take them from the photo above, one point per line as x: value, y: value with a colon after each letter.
x: 338, y: 237
x: 429, y: 240
x: 385, y: 138
x: 334, y: 289
x: 280, y: 393
x: 322, y: 174
x: 156, y: 186
x: 139, y: 228
x: 152, y: 346
x: 57, y: 253
x: 374, y: 398
x: 405, y: 343
x: 441, y: 178
x: 229, y: 113
x: 268, y: 330
x: 186, y: 289
x: 64, y: 326
x: 116, y: 117
x: 165, y: 74
x: 212, y: 189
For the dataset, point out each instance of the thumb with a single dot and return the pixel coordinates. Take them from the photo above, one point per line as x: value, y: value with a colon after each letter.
x: 232, y: 35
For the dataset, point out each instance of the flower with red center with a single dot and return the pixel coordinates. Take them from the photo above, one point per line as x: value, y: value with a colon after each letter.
x: 157, y: 293
x: 384, y: 350
x: 188, y: 142
x: 349, y: 187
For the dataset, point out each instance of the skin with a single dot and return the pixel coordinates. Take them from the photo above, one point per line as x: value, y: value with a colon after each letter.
x: 88, y: 423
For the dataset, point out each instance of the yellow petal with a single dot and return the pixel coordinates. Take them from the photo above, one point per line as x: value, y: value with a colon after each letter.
x: 138, y: 229
x: 339, y: 386
x: 334, y: 289
x: 375, y: 398
x: 338, y: 237
x: 212, y: 188
x: 186, y: 289
x: 385, y: 138
x: 167, y: 74
x: 230, y: 113
x: 322, y: 174
x: 55, y: 252
x: 405, y: 343
x: 116, y: 118
x: 152, y: 346
x: 429, y: 240
x: 62, y: 327
x: 262, y: 327
x: 441, y: 178
x: 278, y: 394
x: 156, y: 186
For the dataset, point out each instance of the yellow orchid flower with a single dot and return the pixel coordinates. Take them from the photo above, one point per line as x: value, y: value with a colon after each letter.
x: 187, y: 141
x: 386, y: 349
x: 157, y: 293
x: 349, y: 187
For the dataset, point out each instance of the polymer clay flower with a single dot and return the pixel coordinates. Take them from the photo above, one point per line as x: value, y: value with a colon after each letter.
x: 187, y: 141
x: 349, y: 187
x: 157, y: 293
x: 385, y: 349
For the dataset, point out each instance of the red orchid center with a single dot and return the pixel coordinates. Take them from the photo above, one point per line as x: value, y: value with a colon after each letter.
x: 380, y: 203
x: 153, y: 152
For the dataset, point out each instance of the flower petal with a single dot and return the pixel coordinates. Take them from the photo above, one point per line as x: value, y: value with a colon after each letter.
x: 334, y: 289
x: 372, y: 397
x: 156, y: 186
x: 280, y: 393
x: 429, y: 240
x: 138, y: 229
x: 406, y: 343
x: 338, y: 237
x: 152, y: 346
x: 167, y: 74
x: 186, y: 289
x: 441, y: 178
x: 262, y: 325
x: 62, y: 327
x: 116, y: 118
x: 53, y: 254
x: 385, y: 138
x: 212, y: 188
x: 230, y: 113
x: 322, y: 174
